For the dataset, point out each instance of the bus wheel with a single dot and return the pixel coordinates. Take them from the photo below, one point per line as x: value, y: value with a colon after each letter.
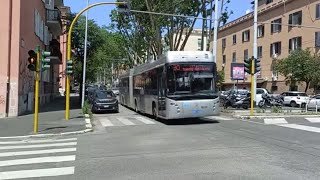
x: 135, y: 106
x: 154, y: 111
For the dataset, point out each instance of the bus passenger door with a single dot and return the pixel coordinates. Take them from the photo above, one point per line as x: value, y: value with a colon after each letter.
x: 161, y: 94
x: 142, y: 95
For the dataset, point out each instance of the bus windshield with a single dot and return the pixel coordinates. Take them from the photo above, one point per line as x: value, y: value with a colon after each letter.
x: 190, y: 79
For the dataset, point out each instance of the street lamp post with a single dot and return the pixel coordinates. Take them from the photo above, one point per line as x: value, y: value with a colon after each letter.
x: 84, y: 59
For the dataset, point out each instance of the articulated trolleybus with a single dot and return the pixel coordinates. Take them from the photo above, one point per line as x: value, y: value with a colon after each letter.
x: 180, y: 84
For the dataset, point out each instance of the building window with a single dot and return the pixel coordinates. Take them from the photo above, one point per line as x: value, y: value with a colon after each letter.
x: 246, y: 36
x: 295, y: 18
x: 224, y: 59
x: 246, y: 54
x: 234, y: 39
x: 234, y: 57
x: 317, y: 39
x: 276, y: 25
x: 224, y: 43
x: 259, y: 54
x: 260, y: 31
x: 275, y: 49
x: 294, y: 43
x: 269, y: 1
x: 318, y: 11
x: 199, y: 43
x: 274, y: 88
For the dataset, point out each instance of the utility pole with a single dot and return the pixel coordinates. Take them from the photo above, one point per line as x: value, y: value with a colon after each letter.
x: 215, y: 31
x: 203, y: 23
x: 84, y: 59
x: 112, y: 74
x: 210, y: 26
x: 255, y: 46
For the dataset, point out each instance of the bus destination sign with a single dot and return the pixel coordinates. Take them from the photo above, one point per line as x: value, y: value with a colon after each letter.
x: 191, y: 68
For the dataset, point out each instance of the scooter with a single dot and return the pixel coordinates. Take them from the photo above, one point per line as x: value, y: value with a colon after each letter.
x: 269, y: 101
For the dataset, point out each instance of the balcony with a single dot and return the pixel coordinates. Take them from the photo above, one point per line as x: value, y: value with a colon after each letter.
x: 54, y: 21
x: 56, y: 55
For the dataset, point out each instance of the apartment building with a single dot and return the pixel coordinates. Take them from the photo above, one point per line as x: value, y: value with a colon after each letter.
x: 275, y: 41
x: 194, y: 40
x: 25, y: 25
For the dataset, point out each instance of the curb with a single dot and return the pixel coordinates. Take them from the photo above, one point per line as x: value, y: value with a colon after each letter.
x: 279, y: 116
x: 88, y: 129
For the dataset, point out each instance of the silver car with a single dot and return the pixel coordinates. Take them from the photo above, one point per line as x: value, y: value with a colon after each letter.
x: 314, y: 102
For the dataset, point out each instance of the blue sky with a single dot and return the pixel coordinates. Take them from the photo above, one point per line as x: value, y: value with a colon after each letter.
x: 101, y: 13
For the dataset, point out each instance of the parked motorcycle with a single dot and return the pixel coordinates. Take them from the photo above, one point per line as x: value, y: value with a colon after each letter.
x: 236, y: 101
x: 270, y: 101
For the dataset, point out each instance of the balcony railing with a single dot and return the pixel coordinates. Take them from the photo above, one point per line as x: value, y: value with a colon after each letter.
x: 53, y: 15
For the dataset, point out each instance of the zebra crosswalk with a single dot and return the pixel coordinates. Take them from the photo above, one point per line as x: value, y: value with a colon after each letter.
x: 110, y: 121
x: 37, y: 158
x: 310, y: 124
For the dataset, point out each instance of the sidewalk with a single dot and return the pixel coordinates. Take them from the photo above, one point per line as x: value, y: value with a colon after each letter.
x: 260, y: 113
x: 51, y: 120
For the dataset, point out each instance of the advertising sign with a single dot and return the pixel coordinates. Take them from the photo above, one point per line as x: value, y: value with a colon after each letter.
x: 237, y: 71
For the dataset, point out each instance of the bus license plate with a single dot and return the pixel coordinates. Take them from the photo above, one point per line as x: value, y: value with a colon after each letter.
x: 106, y: 106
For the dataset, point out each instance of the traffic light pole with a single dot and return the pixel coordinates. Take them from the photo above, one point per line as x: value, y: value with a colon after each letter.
x: 69, y: 49
x: 252, y: 86
x: 255, y: 46
x: 36, y: 93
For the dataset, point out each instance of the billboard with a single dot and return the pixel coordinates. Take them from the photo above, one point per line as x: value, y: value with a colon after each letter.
x: 237, y: 71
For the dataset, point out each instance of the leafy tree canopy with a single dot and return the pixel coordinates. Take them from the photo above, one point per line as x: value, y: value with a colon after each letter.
x: 300, y: 66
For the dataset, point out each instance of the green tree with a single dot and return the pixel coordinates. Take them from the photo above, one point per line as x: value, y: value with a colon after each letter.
x: 300, y: 66
x: 151, y: 33
x: 220, y: 77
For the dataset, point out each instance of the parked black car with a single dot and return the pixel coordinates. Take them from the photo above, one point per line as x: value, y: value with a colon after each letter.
x: 104, y: 100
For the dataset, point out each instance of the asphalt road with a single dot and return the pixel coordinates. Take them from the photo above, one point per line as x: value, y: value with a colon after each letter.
x: 131, y: 146
x: 222, y: 149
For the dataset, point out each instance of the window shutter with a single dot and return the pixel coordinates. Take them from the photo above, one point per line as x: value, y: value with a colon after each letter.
x: 300, y: 18
x: 271, y: 53
x: 279, y: 47
x: 299, y: 42
x: 272, y: 27
x: 242, y: 36
x: 290, y: 20
x: 262, y: 30
x: 317, y: 39
x: 280, y: 26
x: 318, y: 11
x: 35, y: 22
x: 290, y: 45
x: 248, y: 35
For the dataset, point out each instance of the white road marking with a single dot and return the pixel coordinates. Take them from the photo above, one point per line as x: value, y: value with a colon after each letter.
x: 144, y: 120
x: 47, y: 151
x: 301, y: 127
x: 105, y: 122
x: 38, y: 145
x: 313, y: 120
x: 37, y: 173
x: 220, y: 118
x: 275, y: 121
x: 125, y: 121
x: 49, y: 159
x: 37, y: 141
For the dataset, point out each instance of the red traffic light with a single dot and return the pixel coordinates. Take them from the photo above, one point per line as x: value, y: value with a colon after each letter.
x: 32, y: 60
